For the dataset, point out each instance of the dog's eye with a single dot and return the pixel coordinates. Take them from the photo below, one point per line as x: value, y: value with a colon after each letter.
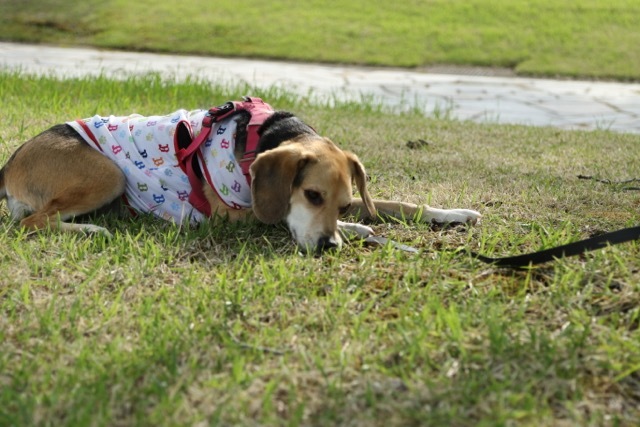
x: 314, y: 197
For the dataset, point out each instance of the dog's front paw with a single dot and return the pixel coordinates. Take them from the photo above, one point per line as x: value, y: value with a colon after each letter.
x: 450, y: 216
x: 359, y: 230
x: 90, y: 229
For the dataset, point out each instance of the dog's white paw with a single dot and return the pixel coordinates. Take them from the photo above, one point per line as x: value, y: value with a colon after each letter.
x: 86, y: 229
x: 360, y: 230
x: 90, y: 229
x: 447, y: 216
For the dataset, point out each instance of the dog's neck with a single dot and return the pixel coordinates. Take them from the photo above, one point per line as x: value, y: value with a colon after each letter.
x: 280, y: 127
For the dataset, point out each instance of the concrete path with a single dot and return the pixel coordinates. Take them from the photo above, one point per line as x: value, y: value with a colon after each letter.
x: 539, y: 102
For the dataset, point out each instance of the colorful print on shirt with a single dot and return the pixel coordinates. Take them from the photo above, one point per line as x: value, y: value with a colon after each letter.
x: 145, y: 150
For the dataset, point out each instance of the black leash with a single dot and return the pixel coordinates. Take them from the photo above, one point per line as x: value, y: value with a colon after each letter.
x: 540, y: 257
x: 571, y: 249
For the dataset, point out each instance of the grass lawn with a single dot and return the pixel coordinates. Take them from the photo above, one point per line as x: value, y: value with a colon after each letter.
x: 229, y: 325
x: 593, y: 38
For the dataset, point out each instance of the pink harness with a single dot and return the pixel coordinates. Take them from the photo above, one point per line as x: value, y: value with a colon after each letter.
x: 190, y: 156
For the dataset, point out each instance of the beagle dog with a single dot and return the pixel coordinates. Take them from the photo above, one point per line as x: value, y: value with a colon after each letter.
x: 295, y: 176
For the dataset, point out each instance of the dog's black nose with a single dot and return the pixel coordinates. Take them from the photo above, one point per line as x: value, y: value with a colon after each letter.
x: 327, y: 243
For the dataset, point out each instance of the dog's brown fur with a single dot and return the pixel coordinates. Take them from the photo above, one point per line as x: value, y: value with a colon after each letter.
x: 299, y: 177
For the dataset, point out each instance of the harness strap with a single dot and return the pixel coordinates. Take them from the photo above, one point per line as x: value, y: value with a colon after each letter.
x: 188, y: 148
x: 260, y: 111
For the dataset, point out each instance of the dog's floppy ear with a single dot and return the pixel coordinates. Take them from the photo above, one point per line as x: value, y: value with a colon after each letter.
x: 272, y: 176
x: 360, y: 176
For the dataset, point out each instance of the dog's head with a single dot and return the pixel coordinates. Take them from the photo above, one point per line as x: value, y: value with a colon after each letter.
x: 307, y: 181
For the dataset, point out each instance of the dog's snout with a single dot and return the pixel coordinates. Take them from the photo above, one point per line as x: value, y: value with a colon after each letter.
x: 327, y: 243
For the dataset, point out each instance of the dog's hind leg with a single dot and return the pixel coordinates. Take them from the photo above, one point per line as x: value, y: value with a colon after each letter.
x: 55, y: 177
x: 64, y: 207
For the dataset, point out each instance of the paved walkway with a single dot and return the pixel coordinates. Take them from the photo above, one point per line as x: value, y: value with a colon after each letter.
x: 538, y: 102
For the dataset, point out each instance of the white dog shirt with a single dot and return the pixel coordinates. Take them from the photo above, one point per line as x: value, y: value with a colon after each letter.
x: 145, y: 150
